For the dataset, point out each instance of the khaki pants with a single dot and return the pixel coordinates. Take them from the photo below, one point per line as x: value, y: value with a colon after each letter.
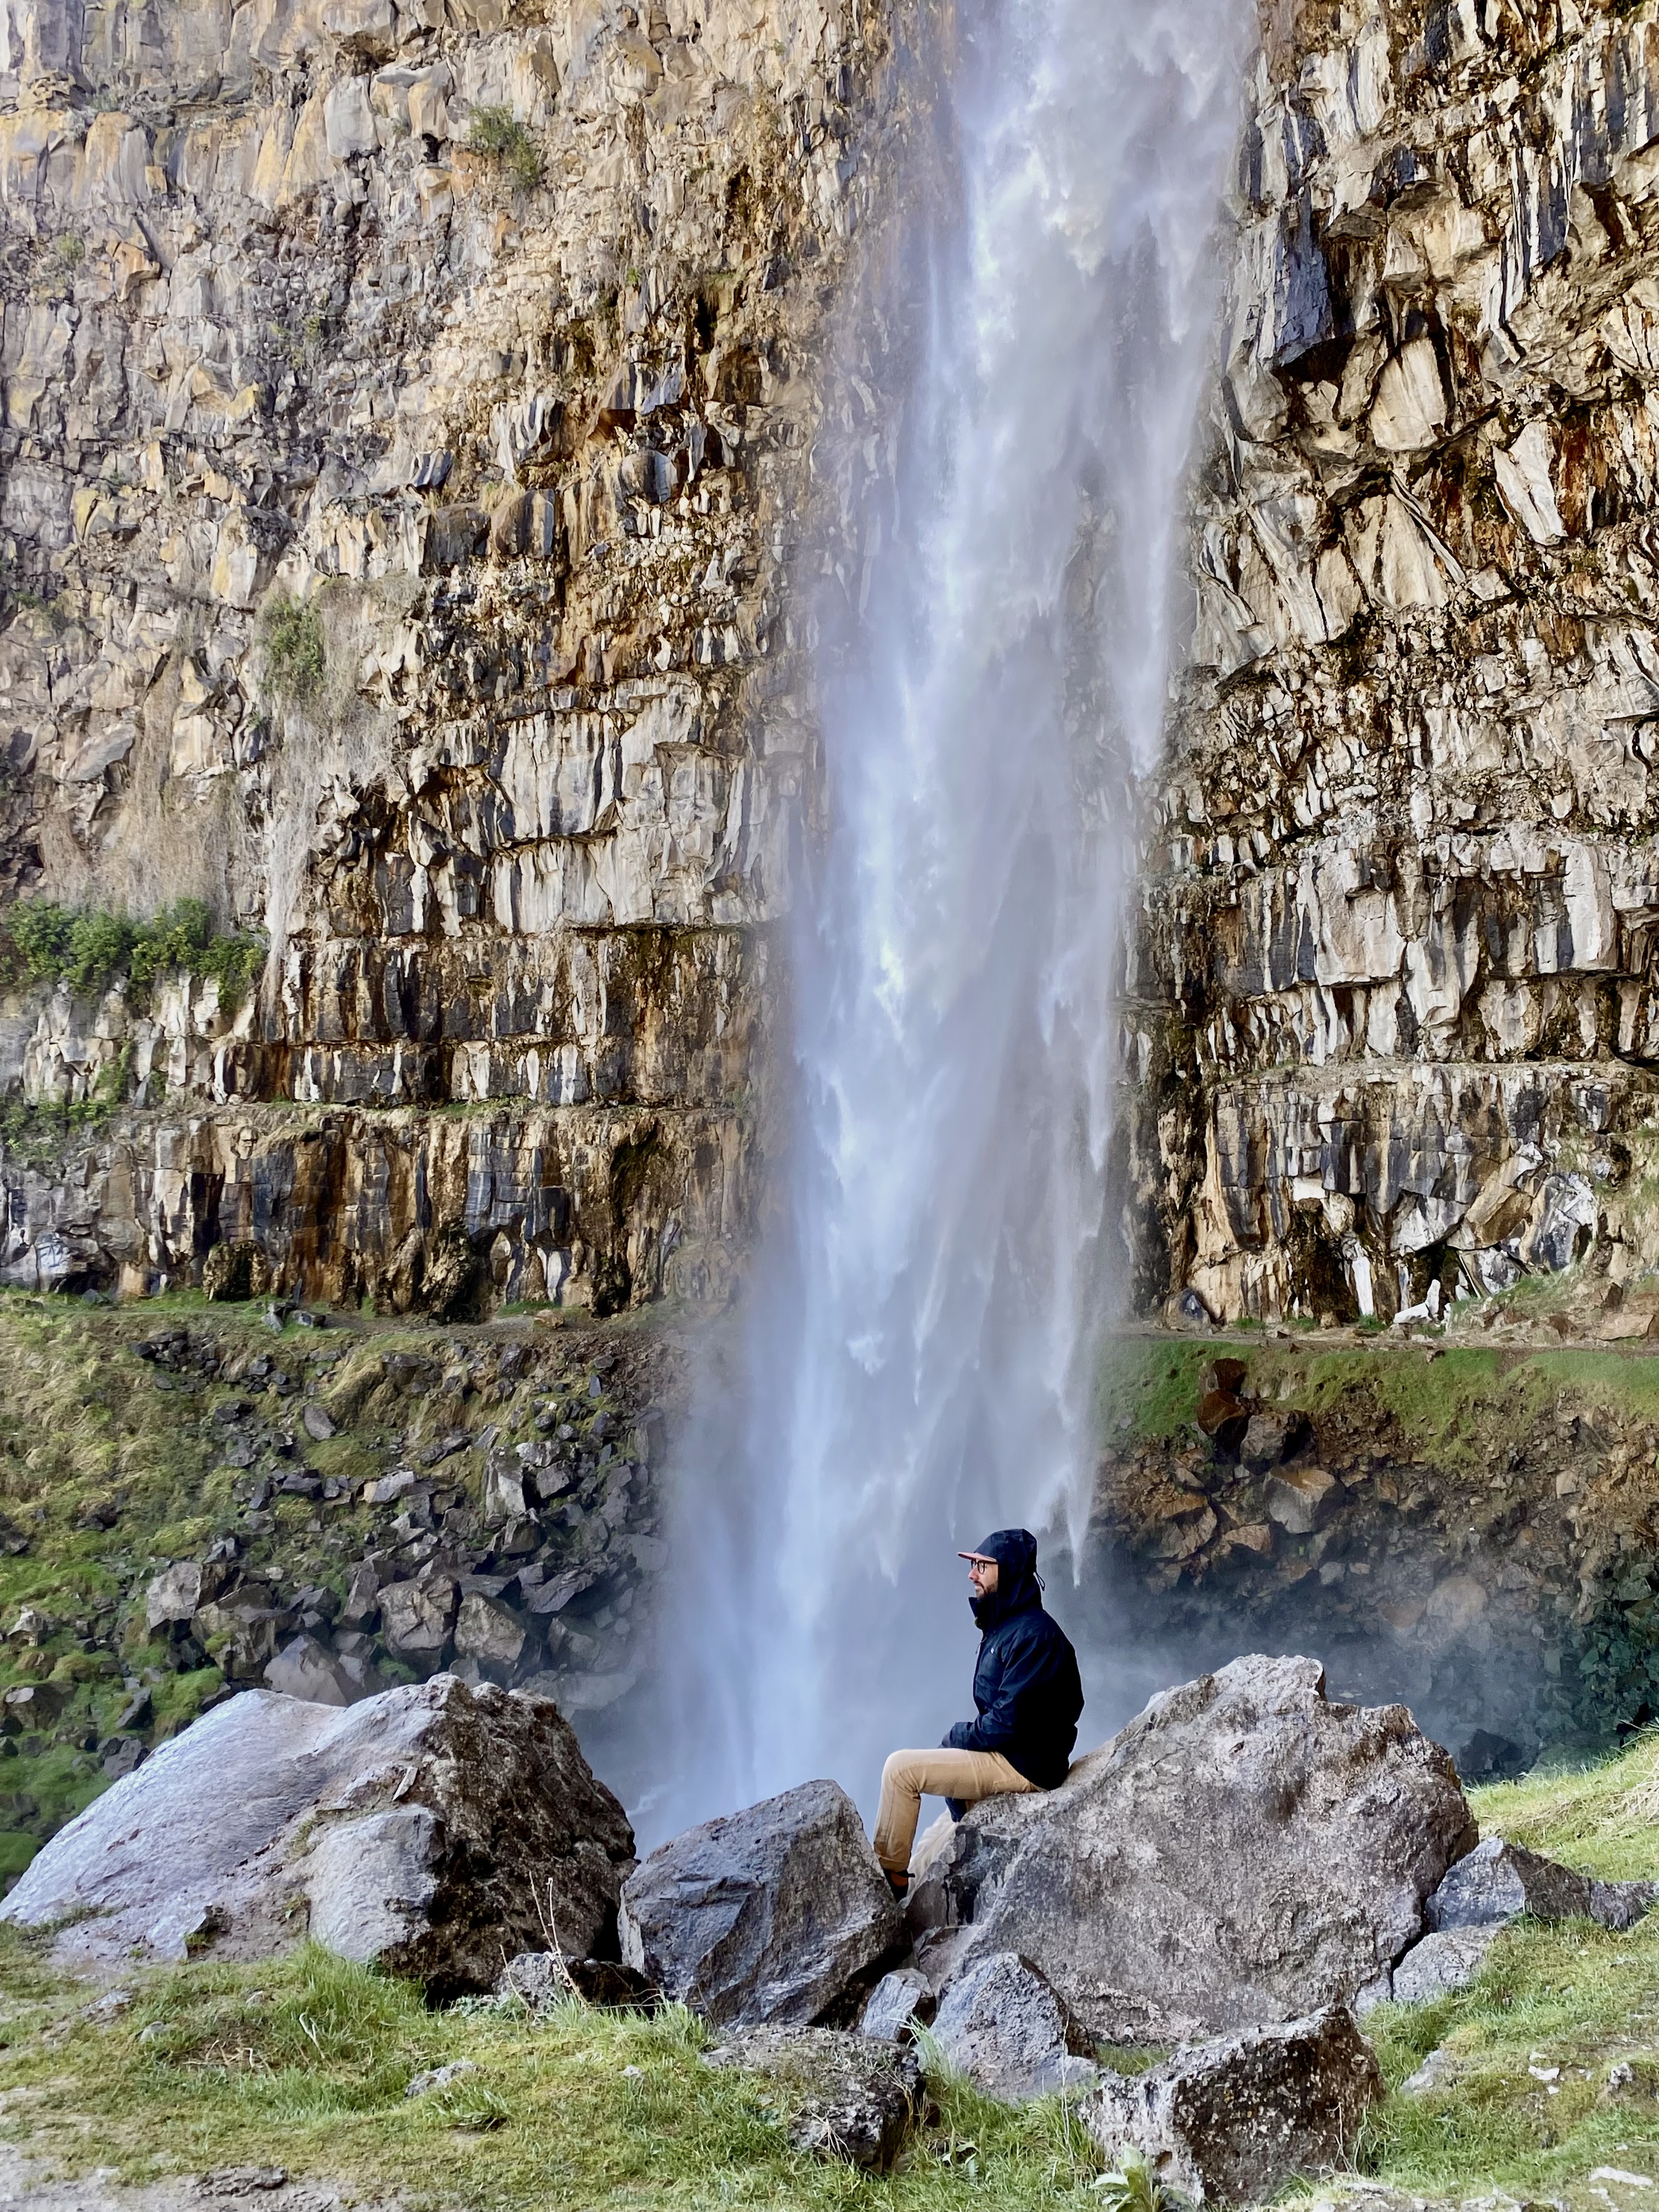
x: 909, y: 1776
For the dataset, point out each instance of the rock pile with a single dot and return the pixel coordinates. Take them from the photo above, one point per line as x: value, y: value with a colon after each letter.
x: 1244, y: 1856
x: 1470, y: 1580
x: 431, y: 1831
x: 491, y: 1547
x: 263, y: 1496
x: 1497, y: 1883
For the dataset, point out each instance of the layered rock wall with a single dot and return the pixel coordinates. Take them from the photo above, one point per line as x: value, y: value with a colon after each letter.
x: 413, y: 420
x: 1393, y: 1004
x: 406, y: 436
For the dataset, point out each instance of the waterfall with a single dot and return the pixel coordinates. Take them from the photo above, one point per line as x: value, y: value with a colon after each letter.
x: 920, y: 1342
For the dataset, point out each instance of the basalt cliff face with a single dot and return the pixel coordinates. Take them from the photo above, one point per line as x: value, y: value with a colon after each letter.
x: 413, y: 419
x: 408, y: 421
x: 1394, y: 1019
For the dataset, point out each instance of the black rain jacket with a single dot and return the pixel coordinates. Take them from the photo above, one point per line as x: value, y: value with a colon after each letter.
x: 1026, y: 1685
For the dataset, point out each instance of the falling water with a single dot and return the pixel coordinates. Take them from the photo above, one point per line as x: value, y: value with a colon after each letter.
x: 922, y: 1334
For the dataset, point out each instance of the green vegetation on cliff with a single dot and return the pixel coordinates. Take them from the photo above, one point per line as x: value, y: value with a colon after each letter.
x: 89, y: 950
x: 495, y: 133
x: 1450, y: 1403
x: 295, y: 653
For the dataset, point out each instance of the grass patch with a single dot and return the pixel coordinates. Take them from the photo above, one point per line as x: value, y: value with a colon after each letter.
x: 307, y: 2060
x: 1572, y: 1997
x: 109, y: 1468
x: 1451, y: 1410
x: 1148, y: 1387
x: 1602, y: 1818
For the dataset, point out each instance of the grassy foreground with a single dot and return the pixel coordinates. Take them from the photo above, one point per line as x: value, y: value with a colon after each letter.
x: 1552, y: 2058
x: 1551, y: 2063
x: 306, y: 2062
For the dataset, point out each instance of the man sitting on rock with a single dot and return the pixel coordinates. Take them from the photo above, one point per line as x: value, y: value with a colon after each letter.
x: 1029, y: 1695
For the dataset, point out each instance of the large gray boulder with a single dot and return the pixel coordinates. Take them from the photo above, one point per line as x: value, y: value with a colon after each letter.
x: 1000, y: 2023
x: 1244, y: 1851
x: 427, y: 1830
x: 771, y: 1915
x: 851, y: 2098
x: 1229, y: 2122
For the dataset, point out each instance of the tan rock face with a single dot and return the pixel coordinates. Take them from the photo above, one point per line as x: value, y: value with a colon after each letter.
x: 1393, y: 967
x: 407, y: 435
x: 483, y: 344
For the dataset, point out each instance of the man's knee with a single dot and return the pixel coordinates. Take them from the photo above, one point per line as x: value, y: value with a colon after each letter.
x: 899, y: 1770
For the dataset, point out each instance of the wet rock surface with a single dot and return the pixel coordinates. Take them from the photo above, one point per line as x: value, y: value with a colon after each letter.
x: 1244, y: 1851
x: 778, y: 1914
x: 419, y: 1831
x: 1229, y: 2122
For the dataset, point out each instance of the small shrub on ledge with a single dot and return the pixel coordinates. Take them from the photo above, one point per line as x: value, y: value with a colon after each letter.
x: 291, y: 631
x: 497, y: 134
x: 89, y: 950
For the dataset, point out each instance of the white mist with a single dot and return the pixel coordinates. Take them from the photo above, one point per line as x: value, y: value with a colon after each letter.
x: 920, y: 1338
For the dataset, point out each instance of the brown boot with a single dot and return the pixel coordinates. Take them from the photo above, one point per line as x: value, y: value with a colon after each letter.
x: 898, y: 1883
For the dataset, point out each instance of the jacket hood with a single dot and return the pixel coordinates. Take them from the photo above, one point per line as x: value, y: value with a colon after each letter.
x: 1018, y: 1586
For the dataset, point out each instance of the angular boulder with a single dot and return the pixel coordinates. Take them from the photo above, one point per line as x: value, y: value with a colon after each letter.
x: 1000, y: 2023
x: 773, y: 1915
x: 1500, y: 1881
x: 179, y: 1591
x: 1229, y: 2122
x: 305, y: 1669
x: 899, y: 2003
x: 429, y: 1830
x: 852, y: 2099
x: 1244, y: 1851
x: 418, y: 1619
x: 1447, y: 1960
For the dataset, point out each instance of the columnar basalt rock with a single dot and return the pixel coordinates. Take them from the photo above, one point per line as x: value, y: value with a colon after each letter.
x: 1393, y: 1012
x: 407, y: 413
x: 412, y: 419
